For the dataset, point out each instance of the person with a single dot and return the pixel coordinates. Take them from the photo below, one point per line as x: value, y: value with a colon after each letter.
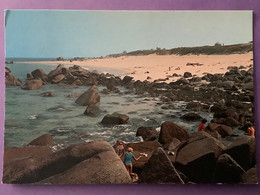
x: 202, y: 125
x: 120, y: 150
x: 128, y: 162
x: 251, y: 130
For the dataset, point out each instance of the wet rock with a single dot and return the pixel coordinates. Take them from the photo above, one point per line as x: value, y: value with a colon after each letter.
x: 57, y: 108
x: 187, y: 75
x: 198, y: 157
x: 90, y: 96
x: 48, y: 94
x: 74, y: 95
x: 227, y: 170
x: 191, y: 117
x: 115, y: 118
x: 242, y: 150
x: 91, y: 162
x: 159, y: 169
x: 170, y: 130
x: 92, y: 110
x: 34, y: 84
x: 250, y: 177
x: 147, y: 133
x: 43, y: 140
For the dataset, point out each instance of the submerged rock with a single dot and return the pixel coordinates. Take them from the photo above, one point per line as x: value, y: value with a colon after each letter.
x: 115, y: 118
x: 34, y: 84
x: 92, y: 110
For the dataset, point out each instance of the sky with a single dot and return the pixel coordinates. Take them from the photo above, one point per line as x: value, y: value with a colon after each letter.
x: 50, y: 34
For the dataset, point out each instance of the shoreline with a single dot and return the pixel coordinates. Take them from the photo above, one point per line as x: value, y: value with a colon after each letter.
x: 158, y: 67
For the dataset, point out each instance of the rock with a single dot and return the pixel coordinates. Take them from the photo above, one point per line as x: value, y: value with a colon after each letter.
x: 231, y: 122
x: 197, y: 158
x: 90, y: 96
x: 194, y: 106
x: 248, y: 86
x: 227, y: 170
x: 10, y: 80
x: 187, y: 75
x: 147, y: 147
x: 74, y: 95
x: 92, y: 110
x: 214, y: 134
x: 243, y: 151
x: 127, y: 79
x: 91, y: 162
x: 43, y: 140
x: 58, y: 78
x: 48, y: 94
x: 60, y: 59
x: 173, y: 145
x: 52, y: 74
x: 147, y: 133
x: 224, y: 130
x: 170, y: 130
x: 212, y: 126
x: 38, y: 73
x: 106, y: 91
x: 34, y: 84
x: 115, y: 118
x: 191, y: 117
x: 60, y: 107
x: 159, y: 169
x: 250, y: 177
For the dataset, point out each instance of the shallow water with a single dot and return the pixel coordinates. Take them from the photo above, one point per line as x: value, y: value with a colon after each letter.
x: 29, y: 115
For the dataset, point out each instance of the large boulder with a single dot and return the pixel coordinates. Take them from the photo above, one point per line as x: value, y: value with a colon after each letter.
x: 159, y: 169
x: 224, y: 130
x: 170, y: 130
x: 43, y: 140
x: 147, y: 133
x: 91, y: 162
x: 198, y: 157
x: 115, y: 118
x: 243, y: 151
x: 147, y: 147
x: 10, y: 79
x: 187, y: 75
x: 34, y: 84
x: 90, y: 96
x: 40, y: 74
x: 227, y: 170
x: 127, y: 79
x: 58, y: 78
x: 52, y: 74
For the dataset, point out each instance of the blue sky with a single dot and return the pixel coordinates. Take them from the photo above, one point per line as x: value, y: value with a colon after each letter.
x: 44, y: 34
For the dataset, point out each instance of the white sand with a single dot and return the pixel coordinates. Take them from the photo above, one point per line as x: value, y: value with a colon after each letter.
x: 160, y: 67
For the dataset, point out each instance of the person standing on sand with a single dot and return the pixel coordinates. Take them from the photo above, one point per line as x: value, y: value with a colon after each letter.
x: 128, y: 162
x: 202, y: 125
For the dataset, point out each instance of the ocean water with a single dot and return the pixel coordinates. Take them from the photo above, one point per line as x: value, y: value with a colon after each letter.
x: 28, y: 115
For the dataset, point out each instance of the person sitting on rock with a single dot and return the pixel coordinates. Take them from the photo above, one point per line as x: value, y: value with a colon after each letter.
x: 120, y: 150
x: 128, y: 162
x: 202, y: 125
x: 251, y: 130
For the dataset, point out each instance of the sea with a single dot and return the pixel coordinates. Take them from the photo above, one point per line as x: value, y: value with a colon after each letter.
x: 29, y: 115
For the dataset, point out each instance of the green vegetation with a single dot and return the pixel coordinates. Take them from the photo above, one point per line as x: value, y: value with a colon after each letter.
x: 207, y: 50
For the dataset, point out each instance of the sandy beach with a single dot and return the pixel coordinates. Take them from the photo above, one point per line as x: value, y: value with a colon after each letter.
x: 161, y: 66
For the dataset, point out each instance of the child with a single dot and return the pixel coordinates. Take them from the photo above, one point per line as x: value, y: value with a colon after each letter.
x: 128, y: 162
x: 202, y: 125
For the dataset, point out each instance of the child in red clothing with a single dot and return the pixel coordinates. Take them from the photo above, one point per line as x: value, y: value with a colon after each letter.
x: 202, y: 125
